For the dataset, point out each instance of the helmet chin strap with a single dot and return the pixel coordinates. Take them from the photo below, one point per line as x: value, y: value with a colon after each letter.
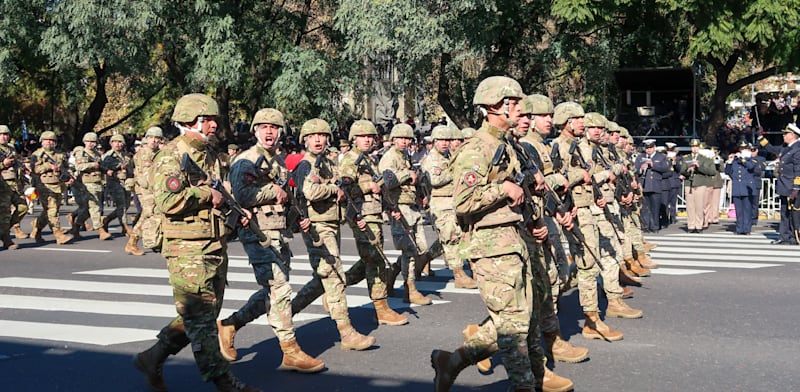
x: 197, y: 129
x: 505, y: 112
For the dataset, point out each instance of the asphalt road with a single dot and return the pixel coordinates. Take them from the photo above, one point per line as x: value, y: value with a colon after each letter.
x: 719, y: 315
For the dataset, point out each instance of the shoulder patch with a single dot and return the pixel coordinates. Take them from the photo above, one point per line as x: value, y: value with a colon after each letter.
x: 470, y: 178
x: 174, y: 184
x: 437, y: 170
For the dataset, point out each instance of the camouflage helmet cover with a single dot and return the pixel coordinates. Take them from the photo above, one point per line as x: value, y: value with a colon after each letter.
x: 594, y: 119
x: 267, y: 116
x: 494, y: 89
x: 612, y: 126
x: 441, y: 132
x: 402, y: 130
x: 537, y: 104
x: 154, y: 131
x: 49, y: 135
x: 315, y: 125
x: 565, y: 111
x: 118, y: 138
x: 457, y: 134
x: 623, y: 132
x: 362, y: 127
x: 190, y: 106
x: 468, y: 132
x: 90, y: 137
x: 4, y: 129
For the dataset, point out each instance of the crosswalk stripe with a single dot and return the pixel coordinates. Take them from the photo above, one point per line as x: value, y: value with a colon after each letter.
x: 711, y: 264
x: 679, y: 271
x: 102, y: 336
x: 72, y: 250
x: 771, y: 255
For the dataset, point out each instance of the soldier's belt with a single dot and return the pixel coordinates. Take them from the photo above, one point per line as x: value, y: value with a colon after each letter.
x: 207, y: 224
x: 270, y: 217
x: 49, y: 178
x: 91, y: 177
x: 9, y: 175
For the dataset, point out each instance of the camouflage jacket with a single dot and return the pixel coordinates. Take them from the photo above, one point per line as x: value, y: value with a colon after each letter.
x: 44, y: 175
x: 142, y: 162
x: 316, y: 179
x: 396, y: 168
x: 356, y: 182
x: 254, y: 188
x: 87, y: 169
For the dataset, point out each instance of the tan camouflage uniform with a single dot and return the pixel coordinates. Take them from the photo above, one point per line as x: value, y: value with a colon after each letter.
x: 48, y: 186
x: 88, y: 186
x: 142, y: 164
x: 12, y: 206
x: 118, y: 186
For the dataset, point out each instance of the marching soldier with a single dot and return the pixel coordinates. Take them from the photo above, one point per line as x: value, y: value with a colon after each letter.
x: 52, y: 179
x: 194, y: 247
x: 741, y: 169
x: 400, y: 180
x: 88, y: 187
x: 316, y: 177
x: 12, y: 206
x: 256, y: 175
x: 142, y: 164
x: 436, y: 169
x: 697, y: 173
x: 485, y: 202
x: 118, y: 168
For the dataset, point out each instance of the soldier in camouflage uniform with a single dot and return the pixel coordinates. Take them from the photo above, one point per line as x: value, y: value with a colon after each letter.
x: 51, y: 178
x: 257, y: 189
x: 436, y: 169
x: 118, y: 167
x: 194, y: 247
x: 315, y: 177
x: 12, y: 206
x: 569, y: 116
x: 142, y: 163
x: 399, y: 185
x: 486, y: 204
x: 88, y: 186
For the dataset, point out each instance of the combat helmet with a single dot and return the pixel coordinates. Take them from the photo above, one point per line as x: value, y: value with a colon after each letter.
x: 267, y: 116
x: 441, y: 132
x: 594, y: 119
x: 565, y: 111
x: 118, y: 138
x: 90, y: 137
x: 468, y: 132
x: 154, y: 131
x: 362, y: 127
x: 537, y: 104
x: 401, y: 130
x: 48, y: 135
x: 191, y: 106
x: 457, y: 134
x: 315, y: 125
x: 494, y: 89
x: 4, y: 129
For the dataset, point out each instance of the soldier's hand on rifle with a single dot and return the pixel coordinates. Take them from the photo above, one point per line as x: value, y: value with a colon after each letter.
x: 540, y: 233
x: 627, y: 199
x: 587, y: 179
x: 305, y: 225
x: 564, y: 220
x: 514, y: 192
x: 362, y: 224
x: 540, y: 185
x: 397, y: 215
x: 216, y: 198
x: 339, y: 194
x: 376, y: 189
x: 601, y: 202
x: 634, y: 184
x: 109, y: 172
x: 413, y: 177
x: 280, y: 195
x: 611, y: 176
x: 8, y: 162
x: 245, y: 219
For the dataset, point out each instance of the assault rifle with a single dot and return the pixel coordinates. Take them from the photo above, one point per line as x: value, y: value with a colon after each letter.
x: 63, y: 175
x: 598, y: 157
x: 623, y: 183
x: 353, y: 215
x: 233, y: 211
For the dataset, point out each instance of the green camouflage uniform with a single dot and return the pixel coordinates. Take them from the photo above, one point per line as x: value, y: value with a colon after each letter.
x: 396, y: 169
x: 48, y: 186
x: 254, y: 190
x: 119, y: 188
x: 493, y: 240
x: 318, y: 188
x: 586, y: 222
x: 12, y: 206
x: 631, y: 218
x: 195, y: 251
x: 610, y: 246
x: 142, y: 163
x: 88, y: 186
x: 436, y: 168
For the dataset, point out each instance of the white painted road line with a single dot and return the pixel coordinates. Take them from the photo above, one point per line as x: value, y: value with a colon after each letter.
x: 73, y: 250
x: 679, y: 271
x: 102, y: 336
x: 709, y: 264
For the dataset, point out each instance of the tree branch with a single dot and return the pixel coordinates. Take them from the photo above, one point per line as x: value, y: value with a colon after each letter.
x: 132, y: 112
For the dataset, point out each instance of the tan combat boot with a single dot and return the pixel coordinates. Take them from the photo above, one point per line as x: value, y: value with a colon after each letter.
x: 352, y: 340
x: 554, y: 383
x: 295, y: 359
x: 626, y: 277
x: 387, y: 315
x: 562, y: 350
x: 21, y: 235
x: 484, y: 365
x: 127, y: 230
x: 649, y: 246
x: 7, y: 243
x: 132, y: 247
x: 463, y: 281
x: 645, y: 262
x: 638, y: 269
x: 61, y: 237
x: 36, y: 233
x: 412, y: 296
x: 594, y: 328
x: 71, y: 219
x: 447, y: 365
x: 618, y: 308
x: 627, y: 292
x: 225, y: 334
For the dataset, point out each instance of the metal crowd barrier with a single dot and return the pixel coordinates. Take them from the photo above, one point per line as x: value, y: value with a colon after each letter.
x: 768, y: 201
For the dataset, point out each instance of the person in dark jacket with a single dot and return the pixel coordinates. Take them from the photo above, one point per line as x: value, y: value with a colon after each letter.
x: 650, y: 167
x: 758, y: 174
x: 741, y: 168
x: 787, y: 184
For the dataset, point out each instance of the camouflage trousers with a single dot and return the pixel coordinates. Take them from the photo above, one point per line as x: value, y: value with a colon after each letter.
x: 122, y: 200
x: 51, y: 203
x: 505, y: 287
x: 403, y: 242
x: 198, y: 287
x: 557, y: 266
x: 587, y: 264
x: 374, y: 263
x: 12, y: 209
x: 633, y: 230
x: 449, y: 235
x: 610, y: 257
x: 327, y: 266
x: 88, y: 196
x: 148, y: 203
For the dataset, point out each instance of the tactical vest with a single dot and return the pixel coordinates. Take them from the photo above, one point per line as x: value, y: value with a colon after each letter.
x: 142, y: 162
x: 9, y: 173
x: 120, y: 158
x: 91, y: 175
x: 49, y: 177
x: 437, y: 160
x: 367, y: 203
x: 268, y: 216
x: 582, y: 194
x: 406, y: 193
x: 535, y: 140
x: 325, y: 210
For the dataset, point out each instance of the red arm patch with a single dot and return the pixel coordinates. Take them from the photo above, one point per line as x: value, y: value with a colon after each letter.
x: 174, y: 184
x: 470, y: 178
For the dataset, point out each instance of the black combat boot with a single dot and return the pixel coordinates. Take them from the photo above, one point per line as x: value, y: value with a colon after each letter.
x: 229, y: 383
x: 151, y: 363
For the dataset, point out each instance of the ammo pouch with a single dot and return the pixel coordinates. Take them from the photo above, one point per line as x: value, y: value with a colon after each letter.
x: 270, y: 217
x: 205, y: 225
x: 9, y: 174
x: 152, y: 236
x: 49, y: 178
x: 91, y: 177
x: 498, y: 217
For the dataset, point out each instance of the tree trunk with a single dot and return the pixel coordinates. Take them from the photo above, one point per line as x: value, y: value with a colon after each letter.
x: 95, y: 110
x: 223, y: 98
x: 446, y: 98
